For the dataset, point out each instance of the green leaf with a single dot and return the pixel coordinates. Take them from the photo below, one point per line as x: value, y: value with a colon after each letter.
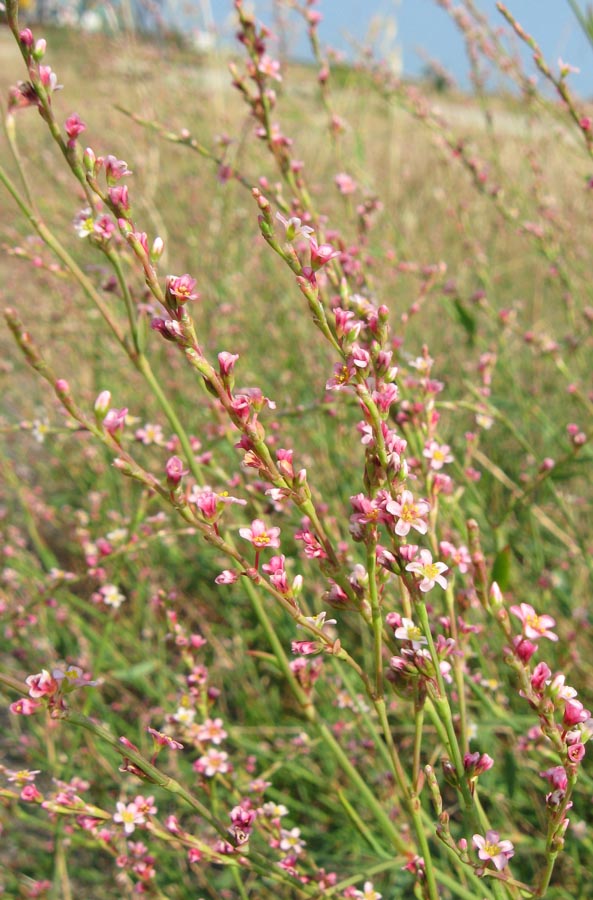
x: 501, y: 569
x: 466, y: 320
x: 138, y: 671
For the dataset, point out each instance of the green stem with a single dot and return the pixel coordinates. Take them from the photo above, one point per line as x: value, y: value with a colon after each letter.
x: 377, y: 622
x: 411, y: 801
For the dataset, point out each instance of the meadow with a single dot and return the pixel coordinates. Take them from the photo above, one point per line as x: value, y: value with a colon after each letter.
x: 296, y: 452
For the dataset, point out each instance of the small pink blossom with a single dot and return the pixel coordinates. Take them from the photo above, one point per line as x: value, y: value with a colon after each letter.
x: 409, y: 513
x: 491, y: 849
x: 180, y: 288
x: 227, y: 576
x: 437, y: 454
x: 74, y: 127
x: 114, y: 420
x: 345, y: 183
x: 115, y: 169
x: 260, y: 536
x: 175, y: 470
x: 270, y: 67
x: 556, y: 777
x: 575, y: 713
x: 211, y: 730
x: 214, y: 762
x: 321, y: 254
x: 534, y: 626
x: 129, y: 816
x: 24, y: 707
x: 476, y: 763
x: 41, y: 685
x: 164, y: 740
x: 430, y: 572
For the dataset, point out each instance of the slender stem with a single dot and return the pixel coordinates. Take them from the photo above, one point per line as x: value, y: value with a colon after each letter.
x: 377, y: 622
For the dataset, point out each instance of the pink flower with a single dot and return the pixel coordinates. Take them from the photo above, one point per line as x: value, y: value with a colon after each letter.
x: 30, y: 794
x: 477, y: 763
x: 490, y: 849
x: 41, y: 685
x: 438, y: 454
x: 557, y: 777
x: 305, y: 648
x: 541, y: 674
x: 118, y: 195
x: 321, y: 254
x: 226, y: 362
x: 534, y: 626
x: 344, y: 372
x: 346, y: 184
x: 180, y: 288
x: 175, y: 470
x: 409, y: 514
x: 430, y: 572
x: 576, y: 752
x: 270, y: 67
x: 74, y: 126
x: 164, y: 740
x: 24, y: 707
x: 115, y: 420
x: 226, y: 577
x: 259, y: 536
x: 213, y: 762
x: 575, y: 713
x: 211, y: 730
x: 115, y: 169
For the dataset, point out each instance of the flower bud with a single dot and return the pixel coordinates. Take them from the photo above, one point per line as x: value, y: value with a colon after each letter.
x: 102, y: 404
x: 40, y: 48
x: 89, y: 160
x: 26, y: 37
x: 175, y: 470
x: 156, y: 251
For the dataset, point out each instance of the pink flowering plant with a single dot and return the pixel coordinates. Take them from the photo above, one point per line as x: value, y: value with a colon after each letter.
x: 278, y: 588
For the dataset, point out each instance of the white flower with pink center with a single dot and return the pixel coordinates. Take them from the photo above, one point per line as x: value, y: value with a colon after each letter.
x: 430, y: 572
x: 409, y: 513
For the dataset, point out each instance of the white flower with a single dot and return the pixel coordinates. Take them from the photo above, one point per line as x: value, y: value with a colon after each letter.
x: 410, y: 632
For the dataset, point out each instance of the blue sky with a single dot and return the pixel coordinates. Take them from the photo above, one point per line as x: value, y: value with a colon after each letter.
x: 422, y: 24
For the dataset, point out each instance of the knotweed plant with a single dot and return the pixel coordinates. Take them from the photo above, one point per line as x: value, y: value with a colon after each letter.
x: 247, y: 665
